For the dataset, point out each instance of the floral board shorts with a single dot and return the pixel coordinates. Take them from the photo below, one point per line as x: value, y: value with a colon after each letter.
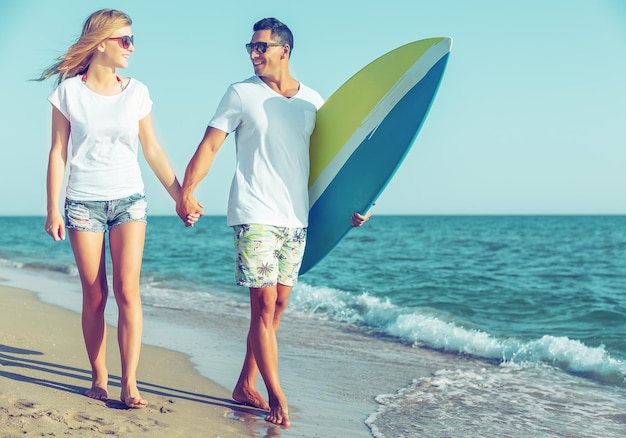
x: 266, y: 255
x: 100, y: 216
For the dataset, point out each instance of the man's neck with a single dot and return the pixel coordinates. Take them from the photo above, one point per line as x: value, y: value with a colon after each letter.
x: 285, y: 85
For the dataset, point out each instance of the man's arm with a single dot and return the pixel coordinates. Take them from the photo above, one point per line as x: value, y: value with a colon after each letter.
x: 197, y: 169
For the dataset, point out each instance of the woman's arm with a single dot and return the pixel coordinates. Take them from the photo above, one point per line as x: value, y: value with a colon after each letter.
x: 57, y: 160
x: 157, y: 159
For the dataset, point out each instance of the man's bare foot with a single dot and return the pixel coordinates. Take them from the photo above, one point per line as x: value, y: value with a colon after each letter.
x: 133, y: 401
x: 250, y: 397
x: 98, y: 393
x: 279, y: 413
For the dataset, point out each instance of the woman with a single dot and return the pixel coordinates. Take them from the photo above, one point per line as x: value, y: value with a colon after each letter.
x: 106, y: 116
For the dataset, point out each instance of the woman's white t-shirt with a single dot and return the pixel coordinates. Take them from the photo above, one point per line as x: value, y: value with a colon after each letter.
x: 272, y: 136
x: 105, y: 139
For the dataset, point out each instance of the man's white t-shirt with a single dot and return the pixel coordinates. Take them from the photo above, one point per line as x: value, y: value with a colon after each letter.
x: 272, y: 136
x: 105, y: 139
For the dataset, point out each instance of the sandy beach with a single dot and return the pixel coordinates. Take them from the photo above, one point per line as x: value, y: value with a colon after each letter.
x: 44, y: 372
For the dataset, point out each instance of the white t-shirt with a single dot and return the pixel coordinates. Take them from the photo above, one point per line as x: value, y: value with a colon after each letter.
x: 105, y: 139
x: 272, y: 134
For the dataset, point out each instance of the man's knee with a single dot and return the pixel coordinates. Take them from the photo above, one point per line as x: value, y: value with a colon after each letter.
x: 263, y: 300
x: 281, y: 305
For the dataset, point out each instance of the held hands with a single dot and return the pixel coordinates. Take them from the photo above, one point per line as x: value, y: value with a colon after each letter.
x: 189, y: 210
x: 192, y: 219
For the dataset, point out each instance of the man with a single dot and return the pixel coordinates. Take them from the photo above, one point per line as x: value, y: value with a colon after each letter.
x: 273, y: 116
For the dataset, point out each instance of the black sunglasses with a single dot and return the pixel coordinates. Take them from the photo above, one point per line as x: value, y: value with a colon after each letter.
x: 260, y: 46
x: 125, y: 41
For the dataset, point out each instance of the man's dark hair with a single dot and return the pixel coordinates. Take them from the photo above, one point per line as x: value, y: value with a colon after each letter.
x: 278, y: 29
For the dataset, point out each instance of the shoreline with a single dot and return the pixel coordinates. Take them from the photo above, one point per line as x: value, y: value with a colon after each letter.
x: 210, y: 345
x: 44, y: 372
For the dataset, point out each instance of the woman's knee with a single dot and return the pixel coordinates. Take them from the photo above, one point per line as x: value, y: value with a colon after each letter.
x: 126, y: 294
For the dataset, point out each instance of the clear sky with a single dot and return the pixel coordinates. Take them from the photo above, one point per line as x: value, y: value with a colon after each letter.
x: 530, y: 117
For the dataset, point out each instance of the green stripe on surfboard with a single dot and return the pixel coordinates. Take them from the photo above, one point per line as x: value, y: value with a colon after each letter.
x: 351, y: 108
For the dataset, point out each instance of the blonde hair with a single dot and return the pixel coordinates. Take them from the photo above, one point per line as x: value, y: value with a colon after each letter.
x: 97, y: 27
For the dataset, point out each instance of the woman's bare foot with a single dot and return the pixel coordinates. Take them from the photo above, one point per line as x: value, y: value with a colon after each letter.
x: 133, y: 401
x: 279, y: 413
x: 251, y: 397
x: 97, y: 392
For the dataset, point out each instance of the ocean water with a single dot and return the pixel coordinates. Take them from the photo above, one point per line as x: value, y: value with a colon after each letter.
x: 500, y: 326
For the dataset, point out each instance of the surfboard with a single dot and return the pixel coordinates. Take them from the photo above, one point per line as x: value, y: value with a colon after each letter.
x: 363, y: 133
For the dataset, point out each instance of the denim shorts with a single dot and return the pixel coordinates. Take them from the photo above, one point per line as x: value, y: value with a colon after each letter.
x: 100, y: 216
x: 267, y: 255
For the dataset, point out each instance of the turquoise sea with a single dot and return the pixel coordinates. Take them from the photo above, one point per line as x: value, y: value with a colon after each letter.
x: 500, y: 326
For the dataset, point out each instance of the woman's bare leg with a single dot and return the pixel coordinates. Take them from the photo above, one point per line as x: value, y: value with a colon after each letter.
x: 127, y: 243
x: 89, y: 253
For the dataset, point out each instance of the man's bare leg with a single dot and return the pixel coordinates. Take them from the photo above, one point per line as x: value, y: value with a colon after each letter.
x: 245, y: 391
x: 265, y: 350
